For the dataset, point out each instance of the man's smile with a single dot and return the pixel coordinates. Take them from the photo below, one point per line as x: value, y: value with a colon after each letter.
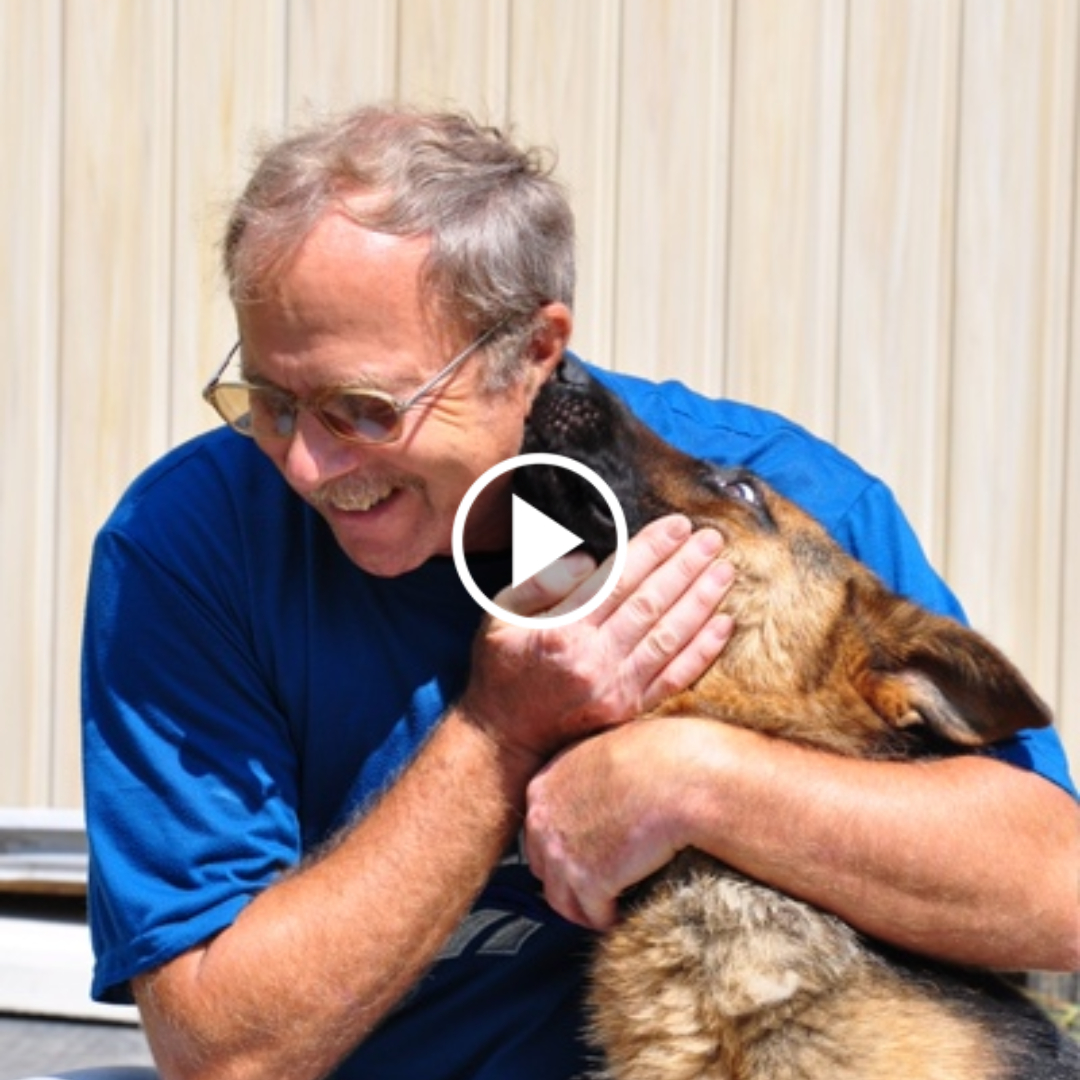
x: 356, y: 495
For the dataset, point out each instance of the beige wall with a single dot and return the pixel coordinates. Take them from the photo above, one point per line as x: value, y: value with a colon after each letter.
x: 863, y: 213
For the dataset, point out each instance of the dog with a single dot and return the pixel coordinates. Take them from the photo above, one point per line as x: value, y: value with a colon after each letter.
x: 712, y: 976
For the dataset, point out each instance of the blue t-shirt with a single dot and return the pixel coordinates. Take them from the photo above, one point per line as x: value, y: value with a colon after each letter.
x: 247, y: 689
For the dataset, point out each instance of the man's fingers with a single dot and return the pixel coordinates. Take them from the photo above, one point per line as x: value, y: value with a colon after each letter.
x: 573, y: 580
x: 651, y: 548
x: 541, y: 593
x: 674, y: 600
x: 593, y: 913
x: 576, y: 904
x: 691, y: 662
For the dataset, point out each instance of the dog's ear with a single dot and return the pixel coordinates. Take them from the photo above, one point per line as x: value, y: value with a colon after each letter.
x: 923, y: 669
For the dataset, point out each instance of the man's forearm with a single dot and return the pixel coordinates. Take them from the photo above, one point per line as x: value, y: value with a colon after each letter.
x: 966, y: 859
x: 314, y: 962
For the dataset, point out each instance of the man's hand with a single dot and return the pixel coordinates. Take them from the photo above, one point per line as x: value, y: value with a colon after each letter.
x: 535, y: 691
x: 602, y: 816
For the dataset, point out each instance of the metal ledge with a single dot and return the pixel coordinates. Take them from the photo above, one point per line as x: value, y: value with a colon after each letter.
x: 43, y: 851
x: 45, y: 955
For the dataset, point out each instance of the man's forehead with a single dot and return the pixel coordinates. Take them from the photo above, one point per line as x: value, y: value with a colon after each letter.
x: 339, y: 237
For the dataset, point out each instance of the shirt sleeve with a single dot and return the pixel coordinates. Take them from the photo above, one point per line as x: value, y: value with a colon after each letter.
x: 189, y: 772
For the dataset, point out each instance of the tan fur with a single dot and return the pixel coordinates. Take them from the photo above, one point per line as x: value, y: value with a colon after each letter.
x: 714, y: 977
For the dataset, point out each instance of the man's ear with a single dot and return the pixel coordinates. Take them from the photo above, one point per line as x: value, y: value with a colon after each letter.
x: 552, y: 327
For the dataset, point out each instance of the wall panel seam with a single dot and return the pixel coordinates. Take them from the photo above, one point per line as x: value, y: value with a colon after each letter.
x: 842, y: 214
x: 945, y: 466
x: 59, y: 336
x: 1072, y: 358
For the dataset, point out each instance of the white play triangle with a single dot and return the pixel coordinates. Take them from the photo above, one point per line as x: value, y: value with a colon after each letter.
x: 536, y: 540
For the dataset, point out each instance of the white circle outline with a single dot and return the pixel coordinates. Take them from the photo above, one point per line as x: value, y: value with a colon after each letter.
x: 529, y: 622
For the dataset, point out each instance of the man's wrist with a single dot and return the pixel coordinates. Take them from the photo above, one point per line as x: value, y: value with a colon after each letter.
x: 517, y: 764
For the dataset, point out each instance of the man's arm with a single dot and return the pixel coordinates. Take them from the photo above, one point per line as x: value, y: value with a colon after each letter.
x: 316, y: 960
x: 967, y: 859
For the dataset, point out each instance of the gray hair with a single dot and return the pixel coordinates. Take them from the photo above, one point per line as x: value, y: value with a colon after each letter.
x: 500, y: 226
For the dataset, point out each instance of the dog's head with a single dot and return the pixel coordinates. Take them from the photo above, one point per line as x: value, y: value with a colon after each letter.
x: 813, y: 626
x: 576, y: 416
x: 773, y: 543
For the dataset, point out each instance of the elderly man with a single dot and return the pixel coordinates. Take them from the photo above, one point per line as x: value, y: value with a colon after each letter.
x: 309, y: 760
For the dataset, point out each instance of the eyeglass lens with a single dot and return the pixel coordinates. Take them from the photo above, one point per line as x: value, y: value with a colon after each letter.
x: 269, y: 413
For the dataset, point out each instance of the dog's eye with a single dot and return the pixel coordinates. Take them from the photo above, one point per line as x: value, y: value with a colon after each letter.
x: 743, y: 490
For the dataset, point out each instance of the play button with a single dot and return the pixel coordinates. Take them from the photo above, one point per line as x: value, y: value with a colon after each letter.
x: 538, y: 540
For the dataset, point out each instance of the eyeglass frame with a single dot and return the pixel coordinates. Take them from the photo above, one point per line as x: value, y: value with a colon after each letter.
x: 312, y: 404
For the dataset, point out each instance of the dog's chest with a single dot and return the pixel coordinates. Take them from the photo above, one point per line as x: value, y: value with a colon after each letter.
x: 708, y: 962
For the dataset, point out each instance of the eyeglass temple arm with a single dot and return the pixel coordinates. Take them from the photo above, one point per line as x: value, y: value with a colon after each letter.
x: 454, y: 364
x: 216, y: 378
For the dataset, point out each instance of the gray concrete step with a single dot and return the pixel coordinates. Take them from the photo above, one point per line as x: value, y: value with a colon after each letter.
x: 30, y: 1046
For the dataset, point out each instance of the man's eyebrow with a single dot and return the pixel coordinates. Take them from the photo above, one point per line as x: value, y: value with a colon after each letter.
x: 256, y: 379
x: 253, y: 377
x: 396, y: 386
x: 363, y: 381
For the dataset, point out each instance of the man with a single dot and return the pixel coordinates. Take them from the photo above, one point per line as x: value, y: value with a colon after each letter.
x: 305, y: 778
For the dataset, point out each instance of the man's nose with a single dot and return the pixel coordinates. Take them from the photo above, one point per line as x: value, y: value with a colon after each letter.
x: 314, y: 456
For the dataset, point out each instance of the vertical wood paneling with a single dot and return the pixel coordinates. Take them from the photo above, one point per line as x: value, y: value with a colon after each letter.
x: 230, y: 93
x: 340, y: 53
x: 785, y: 207
x: 1007, y: 427
x: 454, y: 53
x: 861, y: 214
x: 115, y: 296
x: 29, y: 232
x: 564, y: 83
x: 670, y: 270
x: 897, y: 255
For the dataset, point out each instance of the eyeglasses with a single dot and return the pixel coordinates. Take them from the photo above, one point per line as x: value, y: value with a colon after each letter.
x: 351, y: 414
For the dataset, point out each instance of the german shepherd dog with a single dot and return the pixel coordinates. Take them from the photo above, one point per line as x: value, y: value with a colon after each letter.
x: 712, y: 975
